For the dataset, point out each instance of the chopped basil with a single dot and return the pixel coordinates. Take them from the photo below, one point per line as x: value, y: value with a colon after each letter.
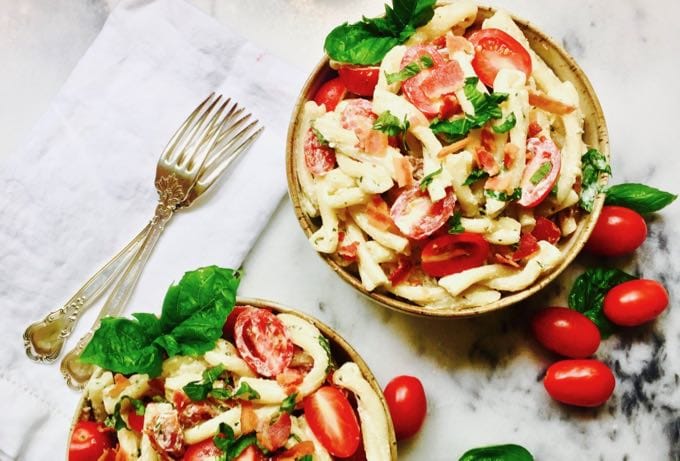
x: 409, y: 70
x: 507, y: 125
x: 323, y: 141
x: 454, y: 129
x: 588, y: 292
x: 639, y: 197
x: 231, y: 446
x: 508, y: 452
x: 427, y: 180
x: 455, y: 226
x: 326, y: 345
x: 289, y: 403
x: 593, y: 163
x: 116, y: 421
x: 503, y: 196
x: 198, y: 390
x: 390, y: 124
x: 244, y: 390
x: 368, y: 41
x: 475, y: 176
x: 540, y: 174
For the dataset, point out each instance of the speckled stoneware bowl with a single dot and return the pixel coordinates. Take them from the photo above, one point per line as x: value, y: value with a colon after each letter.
x: 595, y: 135
x: 341, y: 350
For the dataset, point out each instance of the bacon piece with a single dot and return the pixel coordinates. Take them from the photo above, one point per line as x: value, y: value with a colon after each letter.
x: 498, y: 183
x: 374, y: 142
x: 249, y: 419
x: 456, y: 43
x: 510, y: 152
x: 120, y: 383
x: 403, y: 171
x: 347, y: 250
x: 548, y: 104
x: 162, y: 426
x: 273, y: 433
x: 297, y: 451
x: 534, y: 130
x: 379, y: 214
x: 193, y: 413
x: 401, y: 271
x: 488, y: 140
x: 486, y: 161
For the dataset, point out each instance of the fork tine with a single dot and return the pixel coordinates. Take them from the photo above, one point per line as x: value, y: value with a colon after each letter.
x: 196, y: 132
x: 207, y: 141
x: 172, y: 144
x: 226, y: 156
x: 223, y: 140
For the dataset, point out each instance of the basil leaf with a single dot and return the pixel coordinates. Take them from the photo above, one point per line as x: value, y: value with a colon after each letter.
x: 503, y: 196
x: 326, y: 345
x: 593, y: 163
x: 126, y: 346
x: 323, y: 141
x: 639, y: 197
x: 507, y: 125
x: 368, y: 41
x: 116, y: 421
x: 475, y: 176
x: 305, y: 458
x: 454, y: 129
x: 410, y: 70
x: 540, y: 174
x: 427, y: 180
x: 199, y: 390
x: 289, y: 403
x: 455, y: 226
x: 588, y: 292
x: 230, y: 446
x: 508, y: 452
x: 390, y: 124
x: 244, y: 390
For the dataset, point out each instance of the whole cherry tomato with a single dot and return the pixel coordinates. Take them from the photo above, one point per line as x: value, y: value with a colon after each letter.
x: 89, y: 440
x: 618, y: 231
x: 566, y: 332
x: 582, y: 382
x: 635, y: 302
x: 406, y: 401
x: 359, y: 80
x: 330, y: 93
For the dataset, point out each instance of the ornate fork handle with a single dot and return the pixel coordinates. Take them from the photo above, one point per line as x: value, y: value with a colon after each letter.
x: 77, y: 373
x: 44, y: 339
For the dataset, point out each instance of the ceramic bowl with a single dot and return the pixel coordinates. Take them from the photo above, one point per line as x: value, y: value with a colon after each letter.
x: 595, y: 135
x: 341, y: 350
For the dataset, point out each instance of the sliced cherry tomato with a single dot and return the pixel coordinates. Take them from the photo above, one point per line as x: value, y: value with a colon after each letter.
x: 333, y: 421
x: 566, y: 332
x: 89, y: 440
x: 330, y: 93
x: 416, y: 216
x: 296, y: 452
x: 228, y: 329
x: 406, y: 401
x: 359, y: 80
x: 426, y: 90
x: 546, y: 230
x: 528, y: 245
x: 274, y: 433
x: 202, y: 451
x: 635, y: 302
x: 618, y: 231
x: 319, y: 158
x: 581, y: 382
x: 135, y: 421
x: 540, y: 175
x: 450, y: 254
x: 252, y: 453
x: 262, y: 341
x: 496, y: 50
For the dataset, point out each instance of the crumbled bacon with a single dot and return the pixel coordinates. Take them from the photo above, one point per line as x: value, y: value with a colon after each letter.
x: 249, y: 419
x: 273, y: 434
x: 486, y: 161
x: 534, y: 130
x: 510, y: 152
x: 488, y: 140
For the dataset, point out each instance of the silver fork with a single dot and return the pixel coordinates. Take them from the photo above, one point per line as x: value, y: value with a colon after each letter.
x: 44, y: 339
x: 232, y: 138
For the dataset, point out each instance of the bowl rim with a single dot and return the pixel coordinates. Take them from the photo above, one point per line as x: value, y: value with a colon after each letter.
x: 575, y: 243
x: 333, y: 336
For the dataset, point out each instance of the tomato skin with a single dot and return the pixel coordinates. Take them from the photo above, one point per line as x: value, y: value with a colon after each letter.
x: 544, y: 151
x: 262, y: 341
x: 319, y: 158
x: 359, y: 80
x: 496, y: 50
x: 330, y: 93
x: 407, y: 403
x: 228, y: 329
x: 566, y: 332
x: 202, y: 451
x: 252, y: 453
x: 580, y: 382
x: 333, y: 421
x: 546, y: 230
x: 450, y: 254
x: 89, y: 441
x: 635, y: 302
x: 429, y: 216
x: 135, y: 421
x: 618, y: 231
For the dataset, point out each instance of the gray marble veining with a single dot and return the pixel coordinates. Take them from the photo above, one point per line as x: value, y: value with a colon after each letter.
x: 482, y: 376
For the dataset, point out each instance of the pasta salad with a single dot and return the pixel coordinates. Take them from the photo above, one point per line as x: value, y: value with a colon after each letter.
x: 445, y: 162
x: 267, y: 388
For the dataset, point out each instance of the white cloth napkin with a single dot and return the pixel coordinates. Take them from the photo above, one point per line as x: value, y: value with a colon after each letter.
x: 83, y: 186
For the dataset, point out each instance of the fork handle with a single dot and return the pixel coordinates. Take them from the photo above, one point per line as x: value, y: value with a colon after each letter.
x: 44, y: 339
x: 74, y: 371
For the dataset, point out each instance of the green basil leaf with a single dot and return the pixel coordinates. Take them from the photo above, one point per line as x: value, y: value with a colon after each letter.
x: 639, y: 197
x: 289, y: 403
x: 540, y: 174
x: 455, y: 226
x: 326, y: 345
x: 508, y: 452
x: 454, y: 129
x: 244, y: 390
x: 199, y: 390
x: 507, y: 125
x: 427, y: 180
x: 475, y: 176
x: 593, y: 164
x: 323, y: 141
x: 503, y: 196
x: 409, y: 70
x: 588, y: 292
x: 390, y: 124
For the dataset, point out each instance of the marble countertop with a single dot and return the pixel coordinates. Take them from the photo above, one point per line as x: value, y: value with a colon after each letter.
x: 482, y: 376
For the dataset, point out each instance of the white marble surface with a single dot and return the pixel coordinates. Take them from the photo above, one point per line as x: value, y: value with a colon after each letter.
x: 482, y: 376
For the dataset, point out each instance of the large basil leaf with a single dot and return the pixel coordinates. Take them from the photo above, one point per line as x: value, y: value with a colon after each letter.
x: 639, y: 197
x: 508, y: 452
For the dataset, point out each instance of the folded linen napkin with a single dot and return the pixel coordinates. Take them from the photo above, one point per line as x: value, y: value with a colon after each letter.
x: 83, y: 186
